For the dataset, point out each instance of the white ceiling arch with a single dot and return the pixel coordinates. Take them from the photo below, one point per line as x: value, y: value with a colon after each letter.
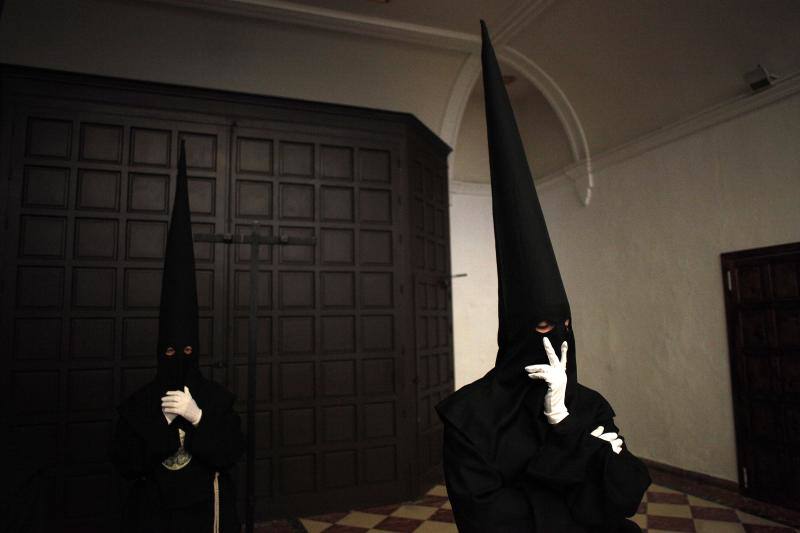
x: 506, y: 20
x: 469, y: 75
x: 638, y: 74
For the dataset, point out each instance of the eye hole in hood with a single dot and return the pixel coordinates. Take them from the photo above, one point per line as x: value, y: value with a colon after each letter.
x: 546, y: 326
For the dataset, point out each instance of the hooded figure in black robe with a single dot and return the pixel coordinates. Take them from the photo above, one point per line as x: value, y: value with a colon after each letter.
x: 526, y: 447
x: 178, y: 436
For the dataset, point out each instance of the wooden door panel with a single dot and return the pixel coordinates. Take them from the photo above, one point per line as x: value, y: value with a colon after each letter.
x: 787, y: 325
x: 786, y: 279
x: 750, y: 283
x: 763, y: 312
x: 755, y: 331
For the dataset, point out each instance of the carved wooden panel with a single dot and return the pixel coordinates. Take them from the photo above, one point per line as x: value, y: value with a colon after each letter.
x: 763, y: 312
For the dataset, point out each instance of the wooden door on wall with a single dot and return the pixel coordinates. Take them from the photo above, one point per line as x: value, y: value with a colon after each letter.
x: 90, y: 186
x: 762, y: 298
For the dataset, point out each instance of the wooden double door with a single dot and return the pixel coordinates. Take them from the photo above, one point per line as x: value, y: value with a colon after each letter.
x: 90, y: 177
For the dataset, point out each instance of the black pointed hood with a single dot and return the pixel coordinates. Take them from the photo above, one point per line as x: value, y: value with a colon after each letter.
x: 504, y: 407
x: 178, y: 314
x: 530, y: 289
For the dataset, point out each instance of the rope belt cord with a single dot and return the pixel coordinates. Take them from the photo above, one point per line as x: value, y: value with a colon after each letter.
x: 216, y: 502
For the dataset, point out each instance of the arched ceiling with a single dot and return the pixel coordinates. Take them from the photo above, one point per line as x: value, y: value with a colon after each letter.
x: 610, y: 71
x: 546, y: 144
x: 632, y: 67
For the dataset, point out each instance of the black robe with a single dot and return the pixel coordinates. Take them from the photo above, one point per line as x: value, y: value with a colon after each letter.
x: 162, y: 500
x: 538, y: 478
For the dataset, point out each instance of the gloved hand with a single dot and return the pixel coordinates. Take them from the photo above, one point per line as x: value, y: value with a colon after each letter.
x: 555, y: 374
x: 612, y: 438
x: 181, y: 403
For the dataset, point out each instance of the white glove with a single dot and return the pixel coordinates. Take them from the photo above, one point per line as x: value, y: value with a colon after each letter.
x: 555, y: 374
x: 612, y: 438
x: 181, y: 403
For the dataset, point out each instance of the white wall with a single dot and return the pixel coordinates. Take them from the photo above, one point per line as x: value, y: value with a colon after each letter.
x: 474, y: 296
x: 642, y: 270
x: 145, y: 41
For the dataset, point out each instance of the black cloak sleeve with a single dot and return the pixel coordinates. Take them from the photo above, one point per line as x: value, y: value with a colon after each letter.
x: 141, y: 440
x: 600, y: 487
x: 480, y: 500
x: 217, y: 440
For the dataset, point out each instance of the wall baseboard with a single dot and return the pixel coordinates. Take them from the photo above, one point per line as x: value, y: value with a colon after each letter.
x: 689, y: 475
x: 718, y: 490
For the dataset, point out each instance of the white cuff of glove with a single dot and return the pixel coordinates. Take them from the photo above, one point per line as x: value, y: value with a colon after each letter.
x: 556, y: 416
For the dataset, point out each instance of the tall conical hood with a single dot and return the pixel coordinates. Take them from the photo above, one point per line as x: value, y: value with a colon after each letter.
x: 529, y: 283
x: 504, y: 407
x: 178, y: 314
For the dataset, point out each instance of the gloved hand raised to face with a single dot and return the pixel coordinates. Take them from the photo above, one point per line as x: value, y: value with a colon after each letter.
x: 611, y: 437
x: 181, y: 403
x: 555, y: 374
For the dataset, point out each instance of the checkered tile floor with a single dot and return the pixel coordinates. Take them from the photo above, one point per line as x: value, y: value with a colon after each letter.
x: 662, y: 510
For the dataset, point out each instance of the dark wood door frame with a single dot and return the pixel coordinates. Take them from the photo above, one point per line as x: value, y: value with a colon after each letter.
x: 761, y: 302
